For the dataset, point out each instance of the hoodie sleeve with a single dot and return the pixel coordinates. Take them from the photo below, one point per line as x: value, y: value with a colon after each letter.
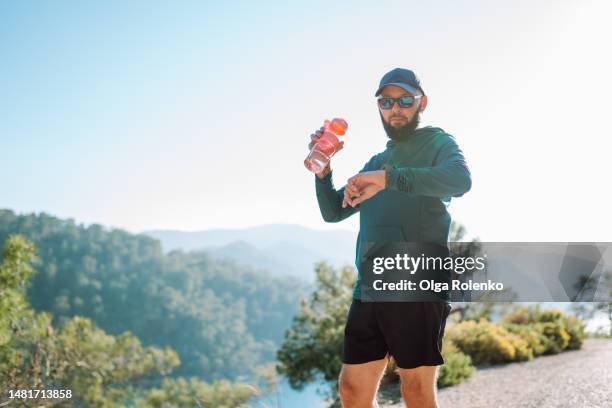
x: 330, y: 199
x: 448, y: 177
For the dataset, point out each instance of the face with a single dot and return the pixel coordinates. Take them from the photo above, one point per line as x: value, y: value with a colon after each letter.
x: 397, y: 117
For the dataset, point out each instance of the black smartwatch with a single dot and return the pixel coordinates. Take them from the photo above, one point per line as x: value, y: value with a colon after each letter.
x: 388, y: 168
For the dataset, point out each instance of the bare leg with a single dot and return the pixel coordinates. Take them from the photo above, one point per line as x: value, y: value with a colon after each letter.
x: 359, y: 383
x: 419, y: 386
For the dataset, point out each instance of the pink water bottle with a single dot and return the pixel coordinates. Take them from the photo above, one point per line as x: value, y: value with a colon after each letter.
x: 326, y: 146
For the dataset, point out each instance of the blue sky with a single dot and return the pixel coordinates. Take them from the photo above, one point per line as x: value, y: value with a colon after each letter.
x: 193, y: 115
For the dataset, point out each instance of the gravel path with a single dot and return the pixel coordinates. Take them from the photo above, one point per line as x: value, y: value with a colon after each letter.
x: 580, y: 378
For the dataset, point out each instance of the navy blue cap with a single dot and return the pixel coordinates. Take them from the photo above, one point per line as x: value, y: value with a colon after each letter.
x: 404, y: 78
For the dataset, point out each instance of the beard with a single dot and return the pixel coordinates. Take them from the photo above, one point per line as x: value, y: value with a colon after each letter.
x: 404, y: 131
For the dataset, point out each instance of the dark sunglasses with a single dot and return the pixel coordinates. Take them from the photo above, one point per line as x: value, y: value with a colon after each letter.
x: 403, y: 101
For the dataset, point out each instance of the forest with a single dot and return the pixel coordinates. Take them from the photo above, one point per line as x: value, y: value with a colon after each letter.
x: 224, y: 321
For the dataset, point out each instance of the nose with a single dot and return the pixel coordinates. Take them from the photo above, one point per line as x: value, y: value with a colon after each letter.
x: 395, y: 109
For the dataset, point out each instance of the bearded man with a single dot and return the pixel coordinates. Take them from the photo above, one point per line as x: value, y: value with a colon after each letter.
x: 401, y: 194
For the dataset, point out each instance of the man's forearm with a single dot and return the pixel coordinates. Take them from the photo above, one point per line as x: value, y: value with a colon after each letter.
x: 330, y: 199
x: 450, y: 177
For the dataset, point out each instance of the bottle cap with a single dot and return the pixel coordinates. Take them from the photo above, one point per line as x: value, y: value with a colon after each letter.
x: 338, y: 126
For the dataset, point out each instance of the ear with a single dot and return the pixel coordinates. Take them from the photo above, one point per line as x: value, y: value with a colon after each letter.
x: 423, y: 104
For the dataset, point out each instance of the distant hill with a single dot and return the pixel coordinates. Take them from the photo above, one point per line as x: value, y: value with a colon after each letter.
x: 282, y: 249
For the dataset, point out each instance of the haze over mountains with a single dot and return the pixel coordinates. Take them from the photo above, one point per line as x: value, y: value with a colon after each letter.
x: 282, y: 249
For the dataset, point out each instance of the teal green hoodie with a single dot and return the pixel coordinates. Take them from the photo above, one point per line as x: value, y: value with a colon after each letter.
x: 429, y: 170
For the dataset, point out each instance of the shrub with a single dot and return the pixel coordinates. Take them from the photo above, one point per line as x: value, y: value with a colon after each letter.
x: 519, y: 316
x: 534, y: 338
x: 557, y: 339
x: 560, y: 331
x: 551, y: 316
x: 575, y: 328
x: 457, y: 366
x: 489, y: 343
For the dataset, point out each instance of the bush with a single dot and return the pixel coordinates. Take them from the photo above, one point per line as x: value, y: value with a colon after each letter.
x: 457, y: 366
x: 559, y: 331
x: 536, y: 341
x: 488, y: 343
x: 548, y: 316
x: 575, y: 328
x: 557, y: 339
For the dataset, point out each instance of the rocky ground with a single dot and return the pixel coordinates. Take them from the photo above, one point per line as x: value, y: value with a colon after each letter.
x: 580, y: 378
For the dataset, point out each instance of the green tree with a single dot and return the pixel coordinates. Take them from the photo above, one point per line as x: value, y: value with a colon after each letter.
x: 100, y: 370
x: 313, y: 345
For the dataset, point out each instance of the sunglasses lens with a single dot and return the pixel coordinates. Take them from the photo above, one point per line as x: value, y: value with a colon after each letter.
x: 406, y: 101
x: 385, y: 103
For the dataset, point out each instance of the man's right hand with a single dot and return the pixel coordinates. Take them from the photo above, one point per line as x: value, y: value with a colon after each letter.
x: 313, y: 139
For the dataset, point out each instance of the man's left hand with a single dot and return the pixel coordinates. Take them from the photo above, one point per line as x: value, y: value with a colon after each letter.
x: 363, y: 186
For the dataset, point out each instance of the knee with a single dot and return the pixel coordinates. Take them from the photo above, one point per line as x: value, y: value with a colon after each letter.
x: 347, y: 389
x: 416, y: 387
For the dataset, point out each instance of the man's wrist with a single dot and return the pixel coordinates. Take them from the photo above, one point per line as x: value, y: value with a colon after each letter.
x: 387, y: 168
x: 321, y: 175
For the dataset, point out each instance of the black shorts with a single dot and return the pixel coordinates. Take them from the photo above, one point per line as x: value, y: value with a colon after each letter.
x: 411, y: 332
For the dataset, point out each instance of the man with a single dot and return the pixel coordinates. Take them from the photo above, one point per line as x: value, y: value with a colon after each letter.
x: 401, y: 194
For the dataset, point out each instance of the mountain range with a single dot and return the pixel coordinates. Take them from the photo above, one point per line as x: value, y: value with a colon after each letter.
x: 283, y: 249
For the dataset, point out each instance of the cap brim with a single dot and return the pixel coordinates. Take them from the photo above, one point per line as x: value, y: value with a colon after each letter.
x: 405, y: 87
